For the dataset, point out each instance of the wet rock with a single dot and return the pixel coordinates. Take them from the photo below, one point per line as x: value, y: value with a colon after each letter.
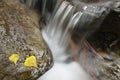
x: 106, y: 43
x: 20, y: 39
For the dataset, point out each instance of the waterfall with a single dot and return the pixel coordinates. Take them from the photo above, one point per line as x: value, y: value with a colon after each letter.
x: 63, y: 19
x: 57, y: 27
x: 71, y: 24
x: 62, y: 23
x: 55, y: 20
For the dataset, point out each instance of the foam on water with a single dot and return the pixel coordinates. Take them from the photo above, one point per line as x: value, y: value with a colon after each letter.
x: 62, y: 71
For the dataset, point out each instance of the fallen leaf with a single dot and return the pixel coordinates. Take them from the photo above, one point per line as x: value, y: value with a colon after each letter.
x: 14, y: 58
x: 31, y: 62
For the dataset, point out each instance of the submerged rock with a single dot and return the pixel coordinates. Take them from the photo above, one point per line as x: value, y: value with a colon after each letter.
x: 101, y: 57
x: 23, y: 52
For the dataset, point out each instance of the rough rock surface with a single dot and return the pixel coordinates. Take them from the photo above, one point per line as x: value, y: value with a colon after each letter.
x: 20, y: 35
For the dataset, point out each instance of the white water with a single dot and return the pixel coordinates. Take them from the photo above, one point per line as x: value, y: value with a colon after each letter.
x: 62, y: 70
x: 71, y: 24
x: 56, y: 34
x: 62, y: 22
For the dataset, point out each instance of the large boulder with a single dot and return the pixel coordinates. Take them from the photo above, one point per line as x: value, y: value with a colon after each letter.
x: 23, y: 52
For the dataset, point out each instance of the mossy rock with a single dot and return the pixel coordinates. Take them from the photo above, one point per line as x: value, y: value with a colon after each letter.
x: 20, y: 35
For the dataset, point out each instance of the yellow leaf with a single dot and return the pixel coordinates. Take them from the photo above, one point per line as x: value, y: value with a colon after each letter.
x: 31, y: 62
x: 14, y: 58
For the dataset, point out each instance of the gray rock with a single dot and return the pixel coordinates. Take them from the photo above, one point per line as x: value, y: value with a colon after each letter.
x: 20, y: 35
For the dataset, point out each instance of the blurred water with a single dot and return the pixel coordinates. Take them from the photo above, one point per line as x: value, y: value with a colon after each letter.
x: 63, y: 21
x: 62, y: 71
x: 56, y: 36
x: 57, y: 33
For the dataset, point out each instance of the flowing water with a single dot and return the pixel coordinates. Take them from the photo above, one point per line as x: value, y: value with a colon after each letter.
x: 66, y: 19
x: 57, y: 33
x: 61, y: 23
